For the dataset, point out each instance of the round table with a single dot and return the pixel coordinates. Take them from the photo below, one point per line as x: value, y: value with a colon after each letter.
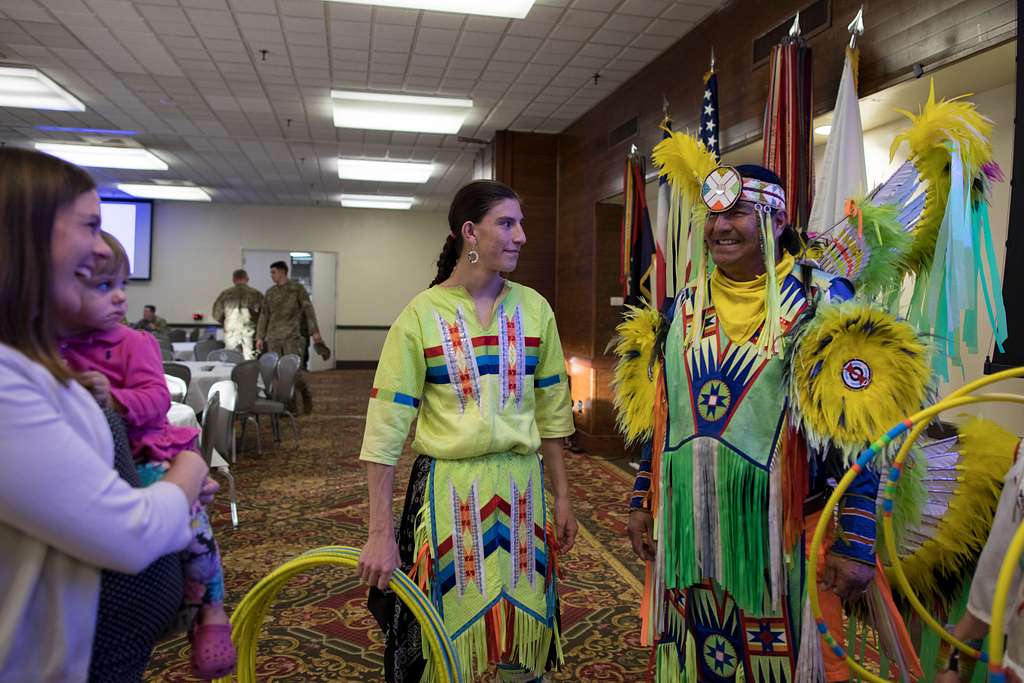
x: 204, y: 375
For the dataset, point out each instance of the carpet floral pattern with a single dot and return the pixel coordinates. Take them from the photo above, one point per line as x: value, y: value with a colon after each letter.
x: 293, y: 499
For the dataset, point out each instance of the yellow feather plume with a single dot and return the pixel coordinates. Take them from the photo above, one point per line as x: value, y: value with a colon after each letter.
x: 935, y: 125
x: 636, y: 377
x: 685, y: 162
x: 945, y: 560
x: 855, y: 371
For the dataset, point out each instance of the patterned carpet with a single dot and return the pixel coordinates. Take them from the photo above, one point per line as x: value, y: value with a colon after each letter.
x: 295, y: 499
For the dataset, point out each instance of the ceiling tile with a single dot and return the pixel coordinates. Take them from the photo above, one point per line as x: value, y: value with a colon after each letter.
x: 390, y: 15
x: 486, y: 24
x: 191, y: 76
x: 571, y: 33
x: 644, y: 8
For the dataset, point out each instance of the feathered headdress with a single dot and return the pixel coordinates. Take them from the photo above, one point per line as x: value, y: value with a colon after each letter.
x: 929, y: 220
x: 950, y: 146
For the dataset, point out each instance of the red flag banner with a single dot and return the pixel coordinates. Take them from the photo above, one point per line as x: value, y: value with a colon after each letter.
x: 638, y: 244
x: 788, y: 148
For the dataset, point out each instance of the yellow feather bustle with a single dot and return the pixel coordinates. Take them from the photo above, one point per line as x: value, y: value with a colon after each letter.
x: 855, y: 371
x: 928, y: 137
x: 636, y: 377
x: 946, y: 559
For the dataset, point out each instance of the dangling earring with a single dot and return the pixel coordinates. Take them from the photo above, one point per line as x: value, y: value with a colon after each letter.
x: 473, y: 255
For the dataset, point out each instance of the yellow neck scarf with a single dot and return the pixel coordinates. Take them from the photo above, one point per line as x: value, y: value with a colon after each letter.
x: 740, y: 306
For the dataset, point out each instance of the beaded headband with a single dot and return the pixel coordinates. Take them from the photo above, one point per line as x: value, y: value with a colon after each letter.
x: 724, y: 186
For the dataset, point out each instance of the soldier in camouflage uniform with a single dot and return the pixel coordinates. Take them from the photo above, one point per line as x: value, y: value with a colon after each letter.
x: 237, y: 308
x: 284, y: 306
x: 152, y: 323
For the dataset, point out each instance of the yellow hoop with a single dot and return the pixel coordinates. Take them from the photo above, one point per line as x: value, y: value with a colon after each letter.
x: 915, y: 424
x: 251, y: 612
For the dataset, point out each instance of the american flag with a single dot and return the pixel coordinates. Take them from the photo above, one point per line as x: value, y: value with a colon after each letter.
x: 709, y: 115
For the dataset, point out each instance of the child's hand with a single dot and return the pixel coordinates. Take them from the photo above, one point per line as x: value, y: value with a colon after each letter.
x: 210, y: 488
x: 98, y: 385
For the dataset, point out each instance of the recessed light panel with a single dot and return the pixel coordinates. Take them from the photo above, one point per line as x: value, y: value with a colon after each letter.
x: 384, y: 171
x: 404, y: 113
x: 375, y: 201
x: 184, y: 193
x: 512, y: 9
x: 31, y: 89
x: 104, y: 157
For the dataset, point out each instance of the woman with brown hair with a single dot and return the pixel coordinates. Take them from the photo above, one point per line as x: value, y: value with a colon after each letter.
x: 479, y: 359
x: 65, y: 514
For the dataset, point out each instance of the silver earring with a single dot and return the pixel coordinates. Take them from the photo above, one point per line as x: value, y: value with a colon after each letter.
x: 473, y: 256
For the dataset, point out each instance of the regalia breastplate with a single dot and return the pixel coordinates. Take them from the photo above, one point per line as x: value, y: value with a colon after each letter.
x: 730, y: 392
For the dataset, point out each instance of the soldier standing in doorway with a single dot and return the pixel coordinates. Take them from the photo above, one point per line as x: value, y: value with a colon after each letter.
x: 237, y: 308
x: 285, y: 306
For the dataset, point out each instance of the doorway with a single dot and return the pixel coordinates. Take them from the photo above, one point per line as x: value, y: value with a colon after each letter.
x: 317, y: 272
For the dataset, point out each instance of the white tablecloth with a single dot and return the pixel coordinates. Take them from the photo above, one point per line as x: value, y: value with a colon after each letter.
x: 184, y: 350
x: 181, y: 415
x: 204, y: 375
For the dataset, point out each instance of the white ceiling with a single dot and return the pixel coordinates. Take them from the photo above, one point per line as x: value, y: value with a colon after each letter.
x: 190, y: 78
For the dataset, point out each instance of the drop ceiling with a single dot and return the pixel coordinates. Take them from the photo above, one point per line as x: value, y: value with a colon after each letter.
x: 235, y: 94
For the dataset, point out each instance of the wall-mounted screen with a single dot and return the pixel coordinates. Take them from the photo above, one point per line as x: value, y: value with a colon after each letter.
x: 131, y: 222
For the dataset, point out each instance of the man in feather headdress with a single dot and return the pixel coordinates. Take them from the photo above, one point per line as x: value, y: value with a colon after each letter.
x: 724, y: 506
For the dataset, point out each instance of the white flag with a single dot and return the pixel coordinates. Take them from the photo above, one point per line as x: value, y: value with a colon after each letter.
x: 843, y: 172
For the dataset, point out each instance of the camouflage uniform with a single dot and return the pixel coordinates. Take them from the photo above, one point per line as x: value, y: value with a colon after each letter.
x: 156, y: 327
x: 284, y: 307
x: 237, y: 308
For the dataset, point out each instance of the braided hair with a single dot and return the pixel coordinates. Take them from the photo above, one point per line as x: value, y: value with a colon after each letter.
x: 471, y: 203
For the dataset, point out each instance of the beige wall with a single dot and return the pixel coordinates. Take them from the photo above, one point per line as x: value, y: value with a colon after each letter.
x: 384, y: 259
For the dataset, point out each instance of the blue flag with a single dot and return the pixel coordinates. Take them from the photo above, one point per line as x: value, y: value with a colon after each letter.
x: 709, y: 115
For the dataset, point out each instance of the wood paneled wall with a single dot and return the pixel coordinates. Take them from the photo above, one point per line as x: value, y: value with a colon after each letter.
x: 528, y: 162
x: 898, y: 35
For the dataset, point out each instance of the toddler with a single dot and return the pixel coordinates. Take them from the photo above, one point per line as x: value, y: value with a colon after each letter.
x: 123, y: 369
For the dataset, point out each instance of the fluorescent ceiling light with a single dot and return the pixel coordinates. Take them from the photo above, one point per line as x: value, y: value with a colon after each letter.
x: 91, y: 131
x: 31, y: 89
x: 301, y: 255
x: 384, y: 171
x: 375, y: 201
x: 104, y: 157
x: 405, y: 113
x: 186, y: 193
x: 823, y: 130
x: 512, y: 9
